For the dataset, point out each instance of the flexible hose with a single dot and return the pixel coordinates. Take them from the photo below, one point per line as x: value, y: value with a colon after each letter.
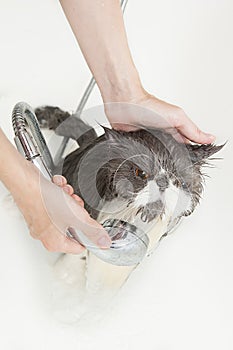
x: 23, y: 116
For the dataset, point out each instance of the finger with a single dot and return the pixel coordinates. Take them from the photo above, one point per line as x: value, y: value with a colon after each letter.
x: 93, y: 231
x: 78, y: 199
x: 55, y: 241
x: 59, y: 180
x: 72, y: 246
x: 180, y: 138
x: 177, y: 136
x: 68, y: 189
x: 124, y: 127
x: 190, y: 131
x: 64, y: 212
x: 80, y: 220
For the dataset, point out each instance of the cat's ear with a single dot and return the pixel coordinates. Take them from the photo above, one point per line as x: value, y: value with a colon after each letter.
x: 200, y: 153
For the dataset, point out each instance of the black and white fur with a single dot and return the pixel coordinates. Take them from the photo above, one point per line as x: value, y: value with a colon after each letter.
x: 144, y: 177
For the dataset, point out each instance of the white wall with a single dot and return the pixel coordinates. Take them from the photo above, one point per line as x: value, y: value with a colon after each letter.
x: 180, y: 298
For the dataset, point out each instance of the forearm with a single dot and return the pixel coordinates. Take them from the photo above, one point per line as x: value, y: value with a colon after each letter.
x: 13, y: 167
x: 99, y: 29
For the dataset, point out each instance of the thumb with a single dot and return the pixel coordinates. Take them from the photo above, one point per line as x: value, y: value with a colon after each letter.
x: 89, y: 231
x: 190, y: 130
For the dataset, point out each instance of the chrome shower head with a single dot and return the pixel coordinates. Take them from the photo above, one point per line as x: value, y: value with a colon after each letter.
x: 129, y: 243
x: 126, y: 238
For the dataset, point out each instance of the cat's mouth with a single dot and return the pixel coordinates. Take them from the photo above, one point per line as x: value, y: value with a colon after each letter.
x: 127, y: 211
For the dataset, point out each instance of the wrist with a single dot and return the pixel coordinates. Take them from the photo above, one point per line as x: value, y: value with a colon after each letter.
x: 25, y: 180
x: 121, y: 86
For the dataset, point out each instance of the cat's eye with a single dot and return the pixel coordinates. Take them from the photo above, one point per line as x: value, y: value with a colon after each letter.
x: 142, y: 174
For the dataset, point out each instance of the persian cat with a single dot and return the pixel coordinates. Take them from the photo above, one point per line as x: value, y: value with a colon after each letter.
x: 144, y: 177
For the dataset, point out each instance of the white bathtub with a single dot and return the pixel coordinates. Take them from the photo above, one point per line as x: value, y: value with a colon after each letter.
x: 180, y: 297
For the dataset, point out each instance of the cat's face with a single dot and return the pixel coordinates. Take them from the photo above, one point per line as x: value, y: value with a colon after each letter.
x: 149, y: 174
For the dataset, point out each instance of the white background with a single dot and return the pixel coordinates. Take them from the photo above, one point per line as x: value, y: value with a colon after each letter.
x: 180, y: 298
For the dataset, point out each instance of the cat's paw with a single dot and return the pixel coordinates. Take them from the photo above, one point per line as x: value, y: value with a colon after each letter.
x: 50, y: 117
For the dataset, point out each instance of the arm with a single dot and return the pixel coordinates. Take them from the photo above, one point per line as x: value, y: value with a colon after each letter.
x: 46, y: 223
x: 99, y: 29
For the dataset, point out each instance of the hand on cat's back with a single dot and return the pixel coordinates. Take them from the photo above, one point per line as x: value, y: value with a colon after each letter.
x: 145, y: 110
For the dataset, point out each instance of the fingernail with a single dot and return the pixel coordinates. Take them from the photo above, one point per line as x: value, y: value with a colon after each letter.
x: 58, y: 179
x: 66, y: 188
x: 104, y: 242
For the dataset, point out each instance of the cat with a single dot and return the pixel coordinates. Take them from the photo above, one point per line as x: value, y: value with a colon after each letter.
x: 144, y: 177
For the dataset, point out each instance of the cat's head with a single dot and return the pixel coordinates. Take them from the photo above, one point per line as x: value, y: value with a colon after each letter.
x: 151, y: 173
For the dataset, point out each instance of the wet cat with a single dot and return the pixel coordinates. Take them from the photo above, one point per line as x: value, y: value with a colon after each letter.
x: 143, y: 172
x: 144, y: 177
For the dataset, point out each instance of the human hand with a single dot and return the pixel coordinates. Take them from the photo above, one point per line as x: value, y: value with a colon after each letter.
x: 111, y: 63
x: 145, y: 110
x: 49, y: 210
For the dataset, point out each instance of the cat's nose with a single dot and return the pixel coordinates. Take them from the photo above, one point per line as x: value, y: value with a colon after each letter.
x: 162, y: 182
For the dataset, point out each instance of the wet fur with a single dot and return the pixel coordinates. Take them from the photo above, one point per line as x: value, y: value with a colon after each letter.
x: 104, y: 172
x: 154, y: 151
